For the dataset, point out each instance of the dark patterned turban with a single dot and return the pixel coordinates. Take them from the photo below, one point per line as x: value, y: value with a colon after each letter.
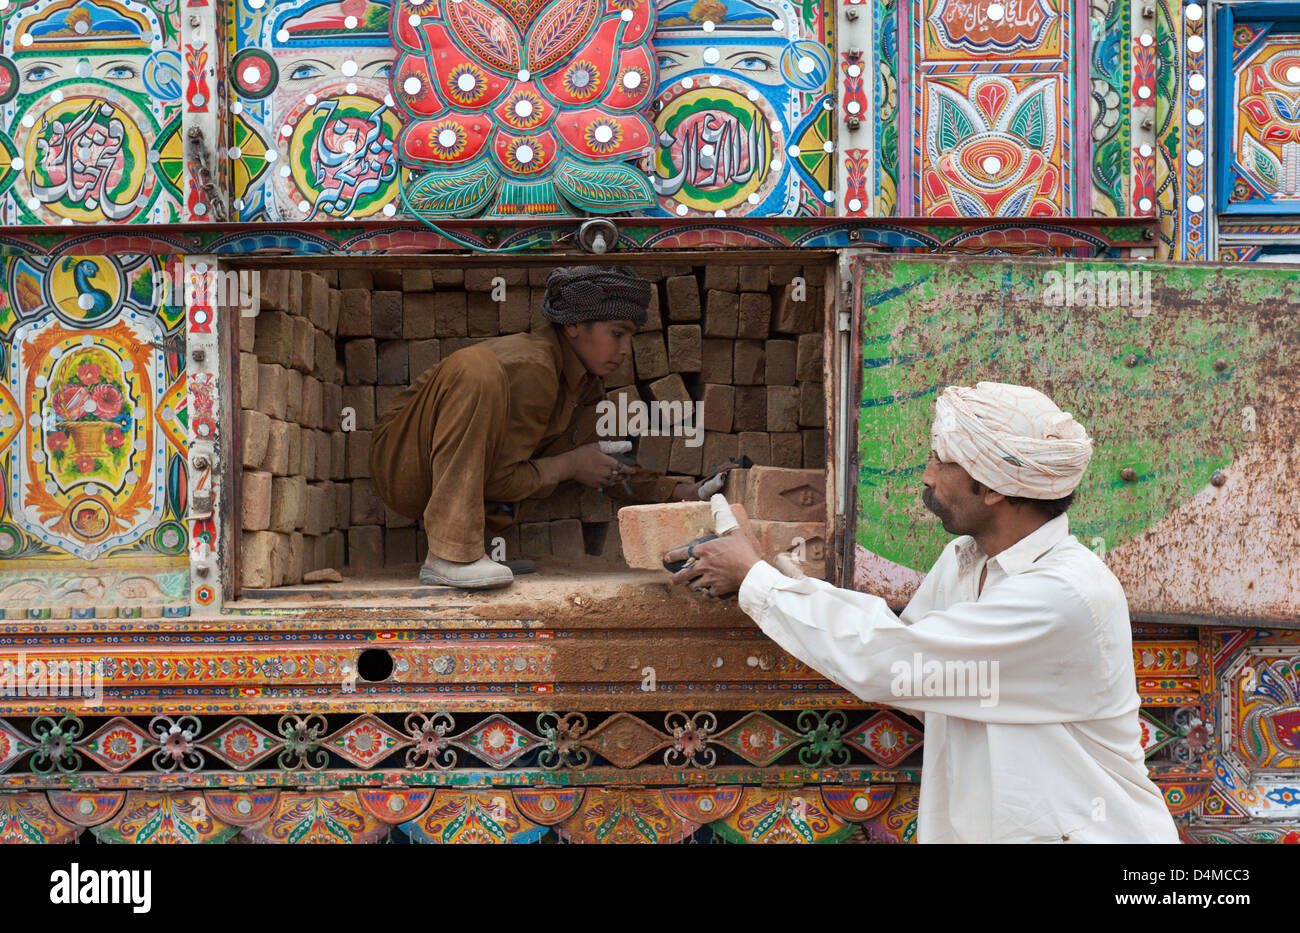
x: 596, y: 293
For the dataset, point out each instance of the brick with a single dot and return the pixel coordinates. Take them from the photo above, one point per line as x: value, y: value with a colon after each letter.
x: 273, y: 290
x: 309, y: 550
x: 366, y: 547
x: 254, y: 433
x: 686, y: 459
x: 331, y: 405
x: 757, y: 446
x: 719, y: 407
x: 504, y: 545
x: 399, y: 546
x: 565, y: 502
x: 782, y: 274
x: 514, y: 315
x: 342, y: 505
x: 594, y: 506
x: 716, y: 361
x: 422, y: 355
x: 683, y: 298
x: 385, y: 396
x: 288, y: 503
x: 307, y: 447
x: 479, y: 278
x: 335, y: 299
x: 652, y: 452
x: 354, y: 312
x: 256, y: 553
x: 247, y: 334
x: 782, y: 408
x: 748, y: 369
x: 448, y: 276
x: 274, y: 341
x: 750, y: 413
x: 367, y: 507
x: 814, y: 450
x: 335, y: 546
x: 324, y: 354
x: 356, y: 278
x: 780, y: 362
x: 809, y: 365
x: 417, y: 280
x: 338, y: 455
x: 248, y: 364
x: 625, y: 375
x: 613, y: 396
x: 293, y: 396
x: 721, y: 276
x: 755, y: 315
x: 654, y: 316
x: 780, y: 495
x: 417, y: 316
x: 279, y: 559
x: 723, y: 314
x: 787, y: 449
x: 359, y: 454
x: 255, y: 504
x: 812, y: 405
x: 777, y: 537
x: 361, y: 399
x: 359, y: 360
x: 647, y: 532
x: 310, y: 409
x: 669, y: 389
x: 718, y: 449
x: 324, y: 453
x: 797, y: 317
x: 397, y: 519
x: 537, y: 274
x: 320, y: 508
x: 387, y: 279
x: 752, y: 278
x: 294, y: 303
x: 392, y: 363
x: 386, y: 314
x: 651, y: 357
x: 451, y: 314
x: 483, y: 315
x: 685, y: 348
x: 279, y: 441
x: 535, y: 539
x: 566, y: 539
x: 316, y: 300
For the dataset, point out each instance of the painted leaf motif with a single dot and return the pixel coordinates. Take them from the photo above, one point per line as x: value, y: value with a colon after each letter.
x: 454, y: 826
x: 559, y: 31
x: 604, y: 187
x: 954, y: 125
x: 489, y: 35
x: 453, y: 194
x: 1261, y: 159
x: 1029, y: 121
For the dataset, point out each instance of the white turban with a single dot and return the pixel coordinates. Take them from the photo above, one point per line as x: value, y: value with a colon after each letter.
x: 1011, y: 438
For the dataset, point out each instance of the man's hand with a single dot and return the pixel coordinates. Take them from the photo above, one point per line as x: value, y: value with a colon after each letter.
x: 690, y: 492
x: 720, y: 565
x: 592, y: 468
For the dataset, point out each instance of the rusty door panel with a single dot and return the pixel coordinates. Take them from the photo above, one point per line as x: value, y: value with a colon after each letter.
x: 1184, y: 377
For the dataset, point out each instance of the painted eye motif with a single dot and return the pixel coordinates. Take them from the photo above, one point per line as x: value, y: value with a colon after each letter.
x: 754, y: 63
x: 38, y: 73
x: 304, y: 71
x: 384, y: 71
x: 667, y: 61
x: 121, y: 73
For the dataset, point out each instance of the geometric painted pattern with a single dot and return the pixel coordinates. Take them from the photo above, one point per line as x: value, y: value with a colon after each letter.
x: 241, y: 743
x: 497, y: 741
x: 118, y: 743
x: 369, y: 740
x: 759, y: 739
x: 885, y: 738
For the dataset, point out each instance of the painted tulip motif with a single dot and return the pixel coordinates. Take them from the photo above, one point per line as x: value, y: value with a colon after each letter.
x: 524, y: 107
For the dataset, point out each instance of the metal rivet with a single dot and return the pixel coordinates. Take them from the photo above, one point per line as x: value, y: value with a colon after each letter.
x: 198, y: 356
x: 1132, y: 360
x: 855, y: 234
x: 1220, y: 365
x: 851, y: 14
x: 1128, y: 474
x: 853, y: 123
x: 855, y: 52
x: 200, y: 462
x: 1218, y: 479
x: 201, y: 571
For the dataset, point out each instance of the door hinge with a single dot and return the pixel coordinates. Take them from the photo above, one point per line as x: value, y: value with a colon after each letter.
x: 844, y: 322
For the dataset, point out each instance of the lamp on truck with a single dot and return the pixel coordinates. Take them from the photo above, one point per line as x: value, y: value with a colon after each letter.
x: 596, y: 235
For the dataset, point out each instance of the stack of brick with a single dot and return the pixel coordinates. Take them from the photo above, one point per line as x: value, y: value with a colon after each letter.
x: 330, y: 352
x: 787, y: 509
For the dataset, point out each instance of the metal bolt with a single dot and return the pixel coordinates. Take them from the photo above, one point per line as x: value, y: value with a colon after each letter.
x: 855, y: 52
x: 1132, y: 360
x: 1128, y: 474
x: 201, y: 571
x: 855, y: 234
x: 198, y: 356
x: 1218, y: 479
x: 1148, y: 11
x: 852, y: 123
x: 851, y: 14
x: 1147, y: 123
x: 1220, y: 365
x: 1148, y: 234
x: 200, y: 462
x: 490, y: 238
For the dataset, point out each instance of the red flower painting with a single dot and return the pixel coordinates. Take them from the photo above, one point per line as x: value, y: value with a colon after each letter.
x: 108, y: 401
x: 56, y: 440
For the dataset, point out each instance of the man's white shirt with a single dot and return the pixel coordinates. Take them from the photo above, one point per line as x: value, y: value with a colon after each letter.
x: 1052, y: 753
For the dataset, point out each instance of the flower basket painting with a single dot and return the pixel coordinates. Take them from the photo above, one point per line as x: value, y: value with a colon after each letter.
x: 524, y: 108
x: 87, y: 419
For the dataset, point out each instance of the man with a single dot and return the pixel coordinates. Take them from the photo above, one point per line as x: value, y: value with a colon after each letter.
x: 508, y: 420
x: 1053, y: 752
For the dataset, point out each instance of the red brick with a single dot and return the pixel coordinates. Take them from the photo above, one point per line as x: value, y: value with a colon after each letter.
x: 417, y: 280
x: 814, y: 449
x: 271, y: 389
x: 354, y: 312
x: 274, y: 341
x: 367, y: 507
x: 752, y: 278
x: 755, y: 315
x: 653, y: 316
x: 310, y: 410
x: 320, y: 508
x: 359, y: 454
x: 750, y: 413
x: 514, y: 315
x: 361, y: 399
x: 247, y: 334
x: 781, y: 495
x: 651, y: 357
x: 307, y: 448
x: 279, y: 442
x: 273, y: 290
x: 748, y: 368
x: 797, y: 317
x: 294, y: 439
x: 359, y: 357
x: 480, y: 278
x: 684, y: 348
x: 648, y: 532
x: 335, y: 309
x: 535, y: 539
x: 397, y: 519
x: 331, y: 405
x: 392, y: 363
x: 633, y: 395
x: 254, y: 433
x: 448, y: 276
x: 537, y: 274
x: 787, y: 449
x: 670, y: 388
x: 594, y: 506
x: 386, y: 314
x: 809, y: 366
x: 324, y: 355
x: 256, y: 565
x: 288, y: 503
x: 757, y: 446
x: 385, y: 396
x: 484, y: 318
x: 566, y: 539
x: 255, y: 493
x: 716, y: 361
x: 812, y: 405
x: 366, y: 547
x: 683, y: 298
x: 782, y: 408
x: 778, y: 537
x: 723, y: 314
x: 399, y: 546
x: 417, y: 316
x: 780, y: 362
x: 342, y: 505
x: 293, y: 396
x: 652, y: 452
x: 451, y: 314
x: 719, y: 407
x: 338, y: 455
x: 248, y: 363
x: 316, y: 300
x: 721, y: 276
x: 686, y: 459
x: 356, y: 278
x: 324, y: 453
x: 718, y: 449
